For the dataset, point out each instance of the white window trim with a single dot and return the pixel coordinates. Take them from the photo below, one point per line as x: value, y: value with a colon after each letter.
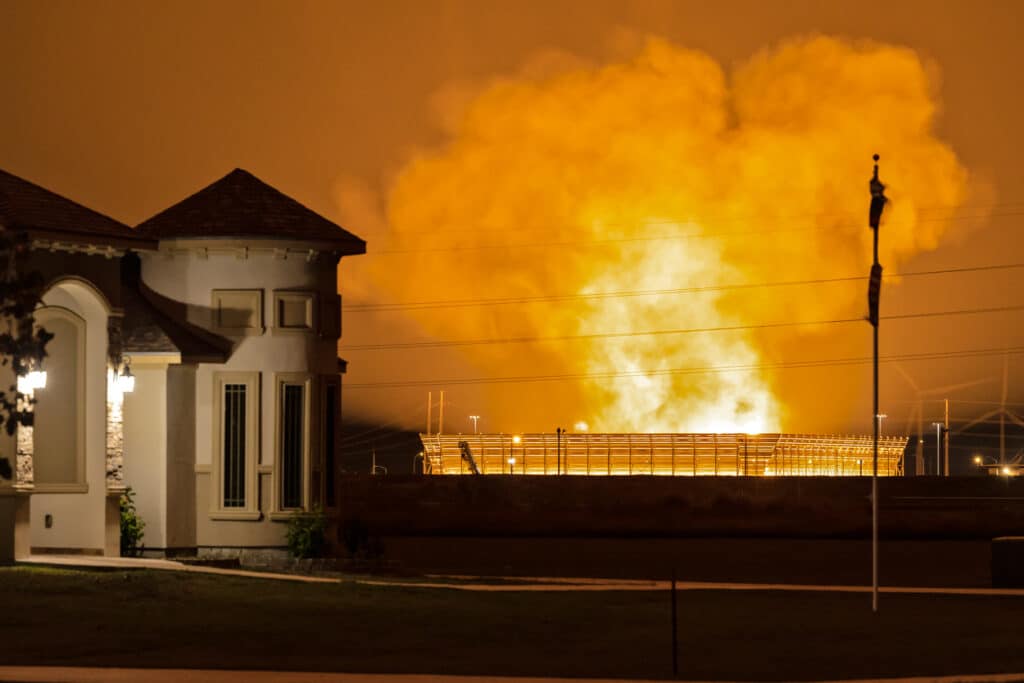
x: 80, y: 485
x: 309, y: 297
x: 277, y: 480
x: 257, y: 305
x: 251, y: 509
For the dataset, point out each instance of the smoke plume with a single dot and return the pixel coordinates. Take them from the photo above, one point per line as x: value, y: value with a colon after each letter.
x: 660, y: 172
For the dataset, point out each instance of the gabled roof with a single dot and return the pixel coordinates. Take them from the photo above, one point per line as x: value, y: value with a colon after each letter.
x: 47, y: 215
x: 240, y: 205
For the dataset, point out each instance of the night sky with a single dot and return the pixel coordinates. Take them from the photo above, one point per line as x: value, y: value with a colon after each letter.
x: 355, y: 109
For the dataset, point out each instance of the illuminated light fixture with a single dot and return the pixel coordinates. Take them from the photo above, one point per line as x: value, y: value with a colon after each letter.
x: 1006, y: 471
x: 516, y: 439
x: 126, y: 380
x: 35, y: 379
x: 977, y: 459
x: 581, y: 426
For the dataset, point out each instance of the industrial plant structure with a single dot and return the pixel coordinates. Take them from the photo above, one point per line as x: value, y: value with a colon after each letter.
x: 754, y: 455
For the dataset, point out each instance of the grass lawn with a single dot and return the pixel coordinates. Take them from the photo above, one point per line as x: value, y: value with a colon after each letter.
x: 169, y: 619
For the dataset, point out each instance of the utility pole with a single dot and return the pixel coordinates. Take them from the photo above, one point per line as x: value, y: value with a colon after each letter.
x: 946, y: 439
x: 558, y: 433
x: 440, y: 415
x: 874, y: 292
x: 938, y: 449
x: 430, y: 411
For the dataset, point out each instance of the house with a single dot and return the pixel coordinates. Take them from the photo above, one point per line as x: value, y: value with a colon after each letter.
x: 194, y: 360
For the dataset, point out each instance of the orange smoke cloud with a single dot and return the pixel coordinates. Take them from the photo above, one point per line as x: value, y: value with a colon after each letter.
x: 664, y: 172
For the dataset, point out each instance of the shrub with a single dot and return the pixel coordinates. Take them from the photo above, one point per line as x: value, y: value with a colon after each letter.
x: 132, y: 526
x: 306, y: 534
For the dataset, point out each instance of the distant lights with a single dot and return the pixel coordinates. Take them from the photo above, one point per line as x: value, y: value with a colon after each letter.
x: 1006, y: 471
x: 516, y: 439
x: 581, y: 426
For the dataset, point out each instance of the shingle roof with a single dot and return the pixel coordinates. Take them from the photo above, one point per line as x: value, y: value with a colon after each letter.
x: 42, y: 213
x: 242, y: 205
x: 152, y: 326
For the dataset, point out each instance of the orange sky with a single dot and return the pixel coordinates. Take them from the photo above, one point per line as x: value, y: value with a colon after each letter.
x: 128, y: 107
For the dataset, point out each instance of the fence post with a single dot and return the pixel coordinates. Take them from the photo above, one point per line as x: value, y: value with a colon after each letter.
x: 675, y: 635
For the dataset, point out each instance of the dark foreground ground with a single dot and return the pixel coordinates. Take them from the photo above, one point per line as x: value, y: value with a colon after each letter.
x: 961, y: 563
x: 166, y: 619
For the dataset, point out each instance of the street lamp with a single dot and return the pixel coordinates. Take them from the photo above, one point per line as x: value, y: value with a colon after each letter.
x: 475, y: 419
x: 512, y: 453
x: 938, y: 447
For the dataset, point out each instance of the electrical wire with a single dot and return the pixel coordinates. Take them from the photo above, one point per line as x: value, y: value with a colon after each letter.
x: 616, y: 335
x: 717, y: 219
x: 675, y: 236
x: 834, y: 362
x: 462, y: 303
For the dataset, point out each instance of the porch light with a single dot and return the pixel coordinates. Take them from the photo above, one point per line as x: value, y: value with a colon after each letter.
x: 36, y: 379
x: 126, y: 380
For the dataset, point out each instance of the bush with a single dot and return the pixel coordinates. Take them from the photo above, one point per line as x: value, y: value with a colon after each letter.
x: 132, y: 526
x: 306, y: 535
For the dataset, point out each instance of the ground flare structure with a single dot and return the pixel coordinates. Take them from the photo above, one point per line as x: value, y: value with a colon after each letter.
x: 686, y: 455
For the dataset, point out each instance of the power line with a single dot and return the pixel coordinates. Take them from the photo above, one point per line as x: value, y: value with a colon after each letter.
x: 614, y: 335
x: 659, y: 238
x: 462, y: 303
x: 717, y: 219
x: 835, y: 362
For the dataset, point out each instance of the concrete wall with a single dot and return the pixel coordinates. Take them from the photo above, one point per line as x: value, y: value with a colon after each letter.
x: 181, y: 456
x: 922, y: 507
x: 79, y: 518
x: 145, y: 448
x: 188, y: 272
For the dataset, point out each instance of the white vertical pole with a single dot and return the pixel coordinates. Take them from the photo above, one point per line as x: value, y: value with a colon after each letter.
x: 440, y: 415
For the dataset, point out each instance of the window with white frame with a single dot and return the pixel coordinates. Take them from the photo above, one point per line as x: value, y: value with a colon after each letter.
x: 237, y: 311
x: 236, y: 400
x: 293, y: 447
x: 294, y: 311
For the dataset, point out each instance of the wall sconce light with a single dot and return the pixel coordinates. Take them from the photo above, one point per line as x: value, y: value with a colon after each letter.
x: 35, y: 379
x: 126, y: 380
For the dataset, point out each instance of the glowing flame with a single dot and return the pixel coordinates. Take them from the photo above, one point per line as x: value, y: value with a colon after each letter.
x: 660, y: 172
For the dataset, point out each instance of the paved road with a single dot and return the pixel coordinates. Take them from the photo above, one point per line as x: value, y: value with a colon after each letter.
x: 506, y: 584
x: 42, y: 674
x: 95, y: 562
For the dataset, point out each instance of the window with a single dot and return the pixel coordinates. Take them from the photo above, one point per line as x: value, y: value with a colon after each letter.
x: 292, y: 428
x: 236, y: 445
x: 292, y: 488
x: 237, y: 311
x: 294, y: 311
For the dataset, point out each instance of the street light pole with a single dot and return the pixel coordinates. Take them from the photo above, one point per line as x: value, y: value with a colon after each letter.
x: 938, y: 449
x: 874, y: 292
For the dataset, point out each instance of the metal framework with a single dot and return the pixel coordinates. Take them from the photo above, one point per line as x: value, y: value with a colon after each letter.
x: 686, y: 455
